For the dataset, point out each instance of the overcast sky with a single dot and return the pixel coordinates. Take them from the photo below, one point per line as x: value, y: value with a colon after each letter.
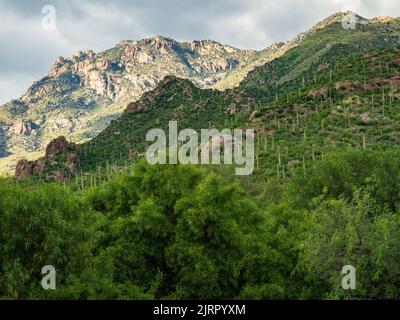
x: 29, y: 43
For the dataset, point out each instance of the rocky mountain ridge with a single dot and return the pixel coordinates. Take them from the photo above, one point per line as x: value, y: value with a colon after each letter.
x: 82, y: 94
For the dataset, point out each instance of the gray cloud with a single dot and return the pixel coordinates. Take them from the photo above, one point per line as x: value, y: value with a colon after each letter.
x: 28, y: 51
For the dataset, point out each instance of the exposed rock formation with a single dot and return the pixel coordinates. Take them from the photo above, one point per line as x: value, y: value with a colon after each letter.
x: 22, y: 127
x: 24, y: 169
x: 58, y: 169
x: 57, y: 146
x: 39, y: 167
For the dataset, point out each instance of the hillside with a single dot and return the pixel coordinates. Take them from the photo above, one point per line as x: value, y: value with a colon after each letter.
x: 327, y: 45
x: 344, y: 93
x: 276, y: 50
x: 83, y: 93
x: 324, y: 197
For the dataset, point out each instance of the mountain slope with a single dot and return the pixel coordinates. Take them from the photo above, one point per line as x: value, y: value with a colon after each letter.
x: 317, y: 52
x: 278, y: 49
x: 124, y: 139
x: 82, y: 94
x: 348, y: 95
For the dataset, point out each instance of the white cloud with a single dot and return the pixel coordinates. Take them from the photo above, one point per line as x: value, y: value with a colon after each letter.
x: 12, y: 86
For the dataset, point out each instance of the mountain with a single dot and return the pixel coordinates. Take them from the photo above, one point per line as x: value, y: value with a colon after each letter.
x: 327, y: 44
x: 335, y: 89
x: 325, y: 192
x: 278, y: 49
x: 82, y: 94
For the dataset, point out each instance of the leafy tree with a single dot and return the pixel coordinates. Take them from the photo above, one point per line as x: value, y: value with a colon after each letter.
x: 183, y: 232
x: 43, y: 225
x: 357, y: 233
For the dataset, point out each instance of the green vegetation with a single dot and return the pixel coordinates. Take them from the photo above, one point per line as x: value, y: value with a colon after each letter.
x: 352, y: 101
x: 325, y: 192
x: 181, y: 232
x: 337, y: 88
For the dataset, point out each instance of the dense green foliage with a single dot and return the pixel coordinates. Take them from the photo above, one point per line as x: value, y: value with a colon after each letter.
x: 185, y: 232
x: 325, y: 192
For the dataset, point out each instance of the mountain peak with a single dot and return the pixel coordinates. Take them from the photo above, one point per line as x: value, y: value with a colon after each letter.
x: 337, y: 17
x: 148, y: 40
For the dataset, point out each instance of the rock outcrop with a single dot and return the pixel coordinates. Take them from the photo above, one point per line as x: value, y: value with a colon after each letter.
x: 24, y: 169
x: 23, y: 128
x: 59, y: 162
x: 57, y: 146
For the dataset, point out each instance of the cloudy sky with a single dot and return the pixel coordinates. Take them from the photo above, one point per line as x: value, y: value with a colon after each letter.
x: 32, y: 36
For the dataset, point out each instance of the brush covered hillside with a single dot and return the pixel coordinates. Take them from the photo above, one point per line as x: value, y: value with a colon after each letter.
x: 83, y: 93
x: 325, y: 192
x: 338, y: 88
